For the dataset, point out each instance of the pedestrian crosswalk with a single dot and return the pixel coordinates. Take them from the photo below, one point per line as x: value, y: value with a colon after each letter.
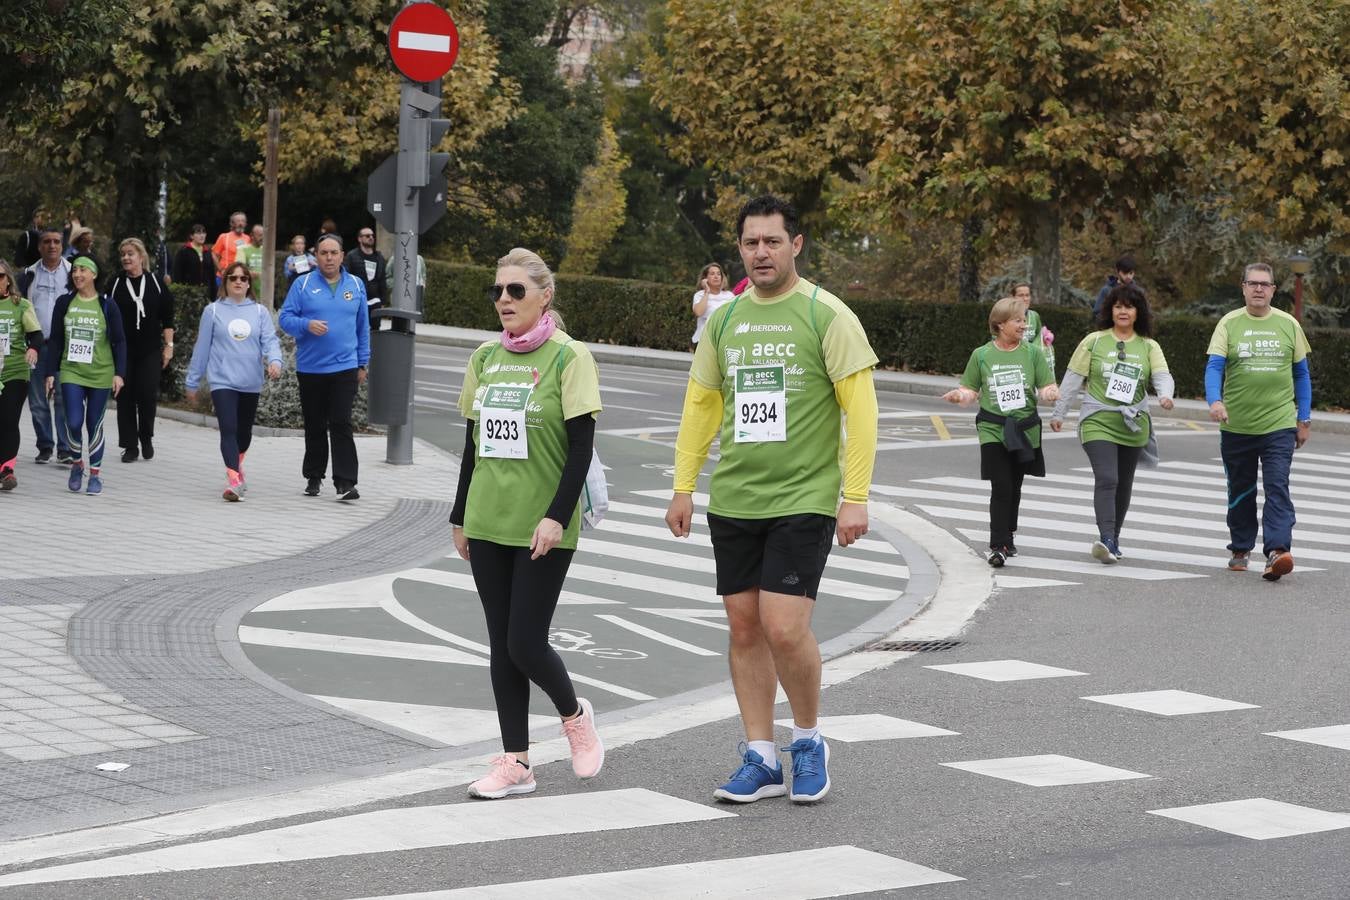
x: 1175, y: 529
x: 639, y: 619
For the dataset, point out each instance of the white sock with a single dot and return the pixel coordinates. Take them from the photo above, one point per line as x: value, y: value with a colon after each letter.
x: 767, y: 752
x: 798, y: 732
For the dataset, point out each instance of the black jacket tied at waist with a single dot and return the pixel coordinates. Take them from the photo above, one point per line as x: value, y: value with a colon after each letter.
x: 1014, y: 432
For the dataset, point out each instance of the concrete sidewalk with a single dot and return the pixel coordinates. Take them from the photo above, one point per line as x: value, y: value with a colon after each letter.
x: 118, y: 623
x: 893, y: 382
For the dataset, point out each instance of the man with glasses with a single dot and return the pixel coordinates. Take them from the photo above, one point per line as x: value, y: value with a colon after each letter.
x: 229, y: 243
x: 42, y: 283
x: 1259, y: 389
x: 368, y: 264
x: 325, y: 311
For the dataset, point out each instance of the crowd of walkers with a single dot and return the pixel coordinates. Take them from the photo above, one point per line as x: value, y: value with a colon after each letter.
x: 782, y: 373
x: 74, y: 337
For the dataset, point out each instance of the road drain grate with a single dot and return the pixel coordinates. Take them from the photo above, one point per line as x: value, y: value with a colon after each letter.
x: 915, y: 646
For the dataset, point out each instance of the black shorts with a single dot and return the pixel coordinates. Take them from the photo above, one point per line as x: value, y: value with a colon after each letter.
x: 785, y: 555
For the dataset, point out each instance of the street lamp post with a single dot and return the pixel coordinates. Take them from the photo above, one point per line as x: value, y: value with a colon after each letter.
x: 1300, y: 265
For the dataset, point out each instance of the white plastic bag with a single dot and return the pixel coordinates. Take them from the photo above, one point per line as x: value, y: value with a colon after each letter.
x: 594, y: 494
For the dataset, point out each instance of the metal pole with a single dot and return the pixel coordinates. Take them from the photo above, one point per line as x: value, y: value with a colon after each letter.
x: 399, y: 443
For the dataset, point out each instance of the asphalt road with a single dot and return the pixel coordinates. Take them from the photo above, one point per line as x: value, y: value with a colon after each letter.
x: 1186, y: 738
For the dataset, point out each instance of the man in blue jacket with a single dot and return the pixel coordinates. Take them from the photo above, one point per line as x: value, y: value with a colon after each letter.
x: 325, y: 311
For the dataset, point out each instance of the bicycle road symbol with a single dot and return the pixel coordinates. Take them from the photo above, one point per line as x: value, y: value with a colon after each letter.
x: 574, y: 640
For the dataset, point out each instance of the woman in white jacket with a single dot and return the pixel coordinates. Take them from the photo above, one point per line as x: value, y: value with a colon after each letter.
x: 234, y: 336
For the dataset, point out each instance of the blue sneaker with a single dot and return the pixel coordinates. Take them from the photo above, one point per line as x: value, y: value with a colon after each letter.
x: 752, y: 781
x: 76, y: 479
x: 95, y: 484
x: 810, y: 770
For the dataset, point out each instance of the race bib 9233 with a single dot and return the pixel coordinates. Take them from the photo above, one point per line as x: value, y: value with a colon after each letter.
x: 502, y: 423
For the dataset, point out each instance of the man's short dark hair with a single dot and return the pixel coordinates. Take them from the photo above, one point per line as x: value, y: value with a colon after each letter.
x: 768, y: 205
x: 50, y: 230
x: 328, y: 236
x: 196, y: 228
x: 1125, y: 263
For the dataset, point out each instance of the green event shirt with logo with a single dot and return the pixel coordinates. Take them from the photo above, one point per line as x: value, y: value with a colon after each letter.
x: 1095, y: 359
x: 85, y: 318
x: 818, y: 341
x: 989, y: 365
x: 508, y: 497
x: 1258, y: 381
x: 252, y: 258
x: 1032, y: 335
x: 17, y: 319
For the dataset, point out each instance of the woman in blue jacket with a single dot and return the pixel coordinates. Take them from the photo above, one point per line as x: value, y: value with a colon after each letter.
x: 325, y: 311
x: 234, y: 336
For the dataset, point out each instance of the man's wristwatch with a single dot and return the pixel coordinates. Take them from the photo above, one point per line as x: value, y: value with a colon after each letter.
x: 1305, y: 421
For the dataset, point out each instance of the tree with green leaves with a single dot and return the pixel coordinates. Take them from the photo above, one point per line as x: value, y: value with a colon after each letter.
x: 1025, y: 113
x: 598, y: 211
x: 1265, y: 112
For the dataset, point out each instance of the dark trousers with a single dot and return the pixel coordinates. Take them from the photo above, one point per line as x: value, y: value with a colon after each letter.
x: 326, y: 403
x: 84, y: 408
x: 519, y: 596
x: 235, y: 412
x: 138, y: 400
x: 1113, y: 469
x: 1005, y: 474
x: 11, y: 407
x: 1274, y: 452
x: 51, y: 432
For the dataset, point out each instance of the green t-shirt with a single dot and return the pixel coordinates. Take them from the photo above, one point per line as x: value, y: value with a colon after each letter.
x: 252, y: 257
x: 17, y: 319
x: 1258, y: 382
x: 553, y: 383
x: 1033, y: 337
x: 775, y: 362
x: 1001, y: 376
x: 85, y: 326
x: 1097, y: 358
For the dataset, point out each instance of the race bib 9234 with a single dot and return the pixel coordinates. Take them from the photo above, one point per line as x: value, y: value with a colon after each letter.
x: 761, y: 404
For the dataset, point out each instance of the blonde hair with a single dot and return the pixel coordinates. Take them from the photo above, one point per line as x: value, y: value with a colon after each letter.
x: 11, y: 283
x: 1003, y: 310
x: 139, y: 246
x: 537, y: 271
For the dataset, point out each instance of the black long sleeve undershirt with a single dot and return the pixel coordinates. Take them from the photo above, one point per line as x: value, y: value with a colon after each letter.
x: 580, y: 441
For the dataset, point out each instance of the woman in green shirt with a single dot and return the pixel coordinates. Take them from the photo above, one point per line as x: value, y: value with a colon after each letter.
x: 20, y: 341
x: 530, y: 396
x: 1004, y: 375
x: 90, y: 353
x: 1115, y: 365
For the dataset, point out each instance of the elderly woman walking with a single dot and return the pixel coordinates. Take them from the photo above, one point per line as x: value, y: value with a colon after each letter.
x: 147, y: 309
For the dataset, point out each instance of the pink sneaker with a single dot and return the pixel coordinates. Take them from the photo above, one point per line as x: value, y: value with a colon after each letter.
x: 588, y: 754
x: 507, y: 777
x: 234, y: 487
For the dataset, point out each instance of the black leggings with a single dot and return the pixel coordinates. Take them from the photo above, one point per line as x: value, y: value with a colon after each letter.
x: 235, y: 411
x: 519, y: 596
x: 1004, y: 473
x: 1113, y: 471
x: 138, y: 400
x: 11, y: 408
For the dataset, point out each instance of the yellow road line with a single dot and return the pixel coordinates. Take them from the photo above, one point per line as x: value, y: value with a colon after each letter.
x: 941, y: 428
x: 1192, y: 425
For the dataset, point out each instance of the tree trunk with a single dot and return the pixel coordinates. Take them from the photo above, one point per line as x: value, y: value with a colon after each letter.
x: 137, y: 181
x: 269, y: 264
x: 968, y: 277
x: 1044, y: 233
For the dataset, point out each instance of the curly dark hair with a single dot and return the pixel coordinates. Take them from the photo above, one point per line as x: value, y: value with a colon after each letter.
x: 1129, y: 294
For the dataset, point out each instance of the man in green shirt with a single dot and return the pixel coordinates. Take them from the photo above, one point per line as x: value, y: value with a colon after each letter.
x: 774, y: 372
x: 251, y: 255
x: 1258, y: 387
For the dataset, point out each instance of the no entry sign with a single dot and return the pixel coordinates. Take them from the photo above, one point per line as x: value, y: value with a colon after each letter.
x: 423, y: 41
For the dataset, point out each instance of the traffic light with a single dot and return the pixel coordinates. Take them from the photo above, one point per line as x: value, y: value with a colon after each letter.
x: 423, y: 131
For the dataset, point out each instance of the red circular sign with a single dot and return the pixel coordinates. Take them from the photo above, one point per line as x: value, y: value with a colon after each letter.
x: 423, y: 41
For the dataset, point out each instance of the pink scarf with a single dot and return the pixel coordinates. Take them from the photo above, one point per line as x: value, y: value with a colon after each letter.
x: 532, y: 339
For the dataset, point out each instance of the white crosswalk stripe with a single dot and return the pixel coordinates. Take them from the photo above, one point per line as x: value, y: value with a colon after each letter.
x: 1175, y: 510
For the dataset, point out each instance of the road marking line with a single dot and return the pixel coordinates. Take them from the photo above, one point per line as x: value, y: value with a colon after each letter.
x: 1295, y: 474
x: 356, y: 646
x: 689, y: 616
x: 656, y: 635
x: 941, y: 428
x: 1016, y: 582
x: 1218, y: 497
x: 1337, y: 736
x: 1258, y: 818
x: 1046, y: 770
x: 1194, y: 426
x: 1005, y: 670
x: 1082, y: 546
x: 451, y: 725
x: 463, y: 581
x: 394, y: 830
x: 1170, y: 702
x: 800, y: 875
x: 871, y: 727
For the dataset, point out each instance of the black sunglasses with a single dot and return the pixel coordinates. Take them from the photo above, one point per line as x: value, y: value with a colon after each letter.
x: 243, y: 278
x: 1120, y: 350
x: 515, y: 289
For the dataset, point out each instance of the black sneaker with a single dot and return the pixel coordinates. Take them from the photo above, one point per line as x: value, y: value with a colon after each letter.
x: 64, y: 458
x: 997, y: 557
x: 43, y: 456
x: 130, y: 454
x: 147, y: 450
x: 312, y: 487
x: 348, y: 493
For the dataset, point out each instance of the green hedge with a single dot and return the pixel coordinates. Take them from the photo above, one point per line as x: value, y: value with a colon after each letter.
x: 912, y: 335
